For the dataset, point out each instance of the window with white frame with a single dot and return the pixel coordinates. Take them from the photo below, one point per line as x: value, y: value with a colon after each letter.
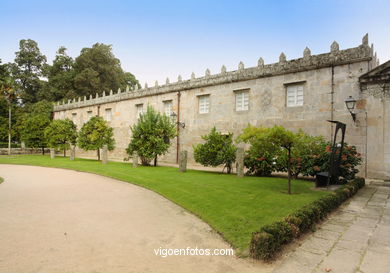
x: 294, y: 95
x: 242, y: 100
x: 89, y: 115
x: 168, y: 108
x: 74, y: 118
x: 108, y: 114
x: 204, y: 104
x: 140, y: 109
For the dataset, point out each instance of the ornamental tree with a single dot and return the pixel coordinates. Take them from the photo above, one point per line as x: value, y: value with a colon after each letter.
x: 151, y: 136
x: 95, y: 134
x: 60, y: 134
x: 32, y: 131
x: 217, y: 150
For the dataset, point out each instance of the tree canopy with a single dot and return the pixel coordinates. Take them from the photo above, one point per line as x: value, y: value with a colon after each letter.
x: 94, y: 134
x: 60, y: 134
x: 151, y: 136
x: 218, y: 149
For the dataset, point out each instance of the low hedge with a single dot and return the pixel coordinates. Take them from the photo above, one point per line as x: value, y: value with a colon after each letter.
x: 269, y: 239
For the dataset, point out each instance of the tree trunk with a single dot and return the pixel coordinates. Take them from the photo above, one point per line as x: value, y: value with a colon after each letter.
x: 43, y: 150
x: 155, y: 162
x: 98, y: 154
x: 64, y: 152
x: 9, y: 129
x: 229, y: 168
x: 289, y: 170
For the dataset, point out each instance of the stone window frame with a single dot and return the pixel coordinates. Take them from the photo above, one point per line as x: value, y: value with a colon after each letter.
x: 165, y: 102
x: 89, y: 115
x: 106, y: 111
x: 74, y: 118
x: 139, y: 106
x: 209, y: 103
x: 241, y: 91
x: 291, y: 84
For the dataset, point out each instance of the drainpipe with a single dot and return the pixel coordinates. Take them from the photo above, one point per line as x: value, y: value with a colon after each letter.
x: 332, y: 104
x: 98, y: 110
x: 178, y: 128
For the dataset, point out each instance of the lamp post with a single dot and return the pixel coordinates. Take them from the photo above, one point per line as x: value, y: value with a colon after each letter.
x: 173, y: 117
x: 350, y: 102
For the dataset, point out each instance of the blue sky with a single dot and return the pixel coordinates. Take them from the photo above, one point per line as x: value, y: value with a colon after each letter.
x: 159, y: 39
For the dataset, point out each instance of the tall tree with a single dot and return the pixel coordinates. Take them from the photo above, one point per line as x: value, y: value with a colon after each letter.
x: 28, y: 68
x: 61, y: 76
x: 98, y: 70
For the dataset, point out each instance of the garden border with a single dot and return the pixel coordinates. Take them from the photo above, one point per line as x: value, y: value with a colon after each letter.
x: 270, y: 239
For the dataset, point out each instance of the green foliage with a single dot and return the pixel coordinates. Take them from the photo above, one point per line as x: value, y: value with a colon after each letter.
x: 319, y: 161
x: 97, y: 70
x: 61, y: 76
x: 301, y: 160
x: 151, y: 135
x: 33, y: 131
x: 28, y: 68
x: 61, y: 133
x: 270, y: 239
x: 261, y: 156
x: 95, y: 134
x: 217, y: 150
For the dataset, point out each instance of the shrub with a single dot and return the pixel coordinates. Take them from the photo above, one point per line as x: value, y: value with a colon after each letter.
x: 270, y: 239
x: 350, y: 159
x: 261, y: 156
x: 95, y: 134
x: 151, y: 136
x: 217, y: 150
x: 60, y: 134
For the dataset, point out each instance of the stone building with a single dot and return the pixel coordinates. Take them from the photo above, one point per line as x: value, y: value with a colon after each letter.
x: 298, y: 94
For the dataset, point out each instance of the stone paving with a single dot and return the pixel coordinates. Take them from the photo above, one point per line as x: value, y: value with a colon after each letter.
x: 354, y: 239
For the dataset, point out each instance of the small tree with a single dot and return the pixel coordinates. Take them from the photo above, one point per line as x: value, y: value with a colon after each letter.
x: 60, y: 134
x: 285, y: 139
x: 33, y: 131
x: 217, y: 150
x: 95, y: 134
x: 151, y: 136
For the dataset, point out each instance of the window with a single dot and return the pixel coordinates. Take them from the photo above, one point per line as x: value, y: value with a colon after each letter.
x: 89, y: 115
x: 62, y: 115
x: 74, y: 117
x: 108, y: 114
x: 242, y: 101
x: 168, y: 108
x: 204, y: 104
x: 294, y: 95
x: 140, y: 109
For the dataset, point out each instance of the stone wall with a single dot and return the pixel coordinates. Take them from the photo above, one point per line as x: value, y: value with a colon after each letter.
x: 327, y: 79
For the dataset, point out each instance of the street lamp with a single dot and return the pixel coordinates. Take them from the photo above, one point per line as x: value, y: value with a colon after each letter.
x: 174, y: 116
x: 350, y: 103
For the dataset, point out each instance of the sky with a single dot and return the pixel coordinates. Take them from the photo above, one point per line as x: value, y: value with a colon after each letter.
x: 159, y: 39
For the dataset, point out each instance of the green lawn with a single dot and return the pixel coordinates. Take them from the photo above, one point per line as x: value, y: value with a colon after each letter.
x: 234, y: 207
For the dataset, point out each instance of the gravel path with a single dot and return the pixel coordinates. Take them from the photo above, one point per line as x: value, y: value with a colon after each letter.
x: 54, y: 220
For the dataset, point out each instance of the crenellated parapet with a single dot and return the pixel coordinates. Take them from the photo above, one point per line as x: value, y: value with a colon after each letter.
x: 308, y: 62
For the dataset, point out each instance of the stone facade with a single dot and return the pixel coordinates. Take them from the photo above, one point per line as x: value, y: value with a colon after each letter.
x: 325, y: 80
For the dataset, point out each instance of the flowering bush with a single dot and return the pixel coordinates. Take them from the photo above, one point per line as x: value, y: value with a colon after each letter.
x: 350, y: 159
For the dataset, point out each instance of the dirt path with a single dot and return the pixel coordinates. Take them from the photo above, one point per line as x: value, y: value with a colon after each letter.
x: 54, y: 220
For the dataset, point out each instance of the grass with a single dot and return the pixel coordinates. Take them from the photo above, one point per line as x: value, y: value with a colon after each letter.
x: 234, y: 207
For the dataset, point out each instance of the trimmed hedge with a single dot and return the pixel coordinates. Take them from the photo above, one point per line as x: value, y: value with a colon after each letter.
x: 269, y: 239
